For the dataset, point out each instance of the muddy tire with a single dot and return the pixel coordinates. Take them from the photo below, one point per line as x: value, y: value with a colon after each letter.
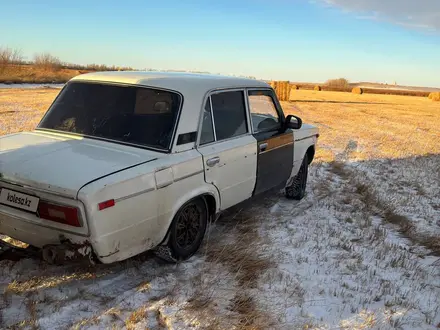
x: 186, y: 232
x: 297, y: 189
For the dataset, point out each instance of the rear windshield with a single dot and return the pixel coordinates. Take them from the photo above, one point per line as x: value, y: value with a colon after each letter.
x: 137, y: 115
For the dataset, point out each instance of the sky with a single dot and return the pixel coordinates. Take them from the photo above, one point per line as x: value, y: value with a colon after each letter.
x: 298, y: 40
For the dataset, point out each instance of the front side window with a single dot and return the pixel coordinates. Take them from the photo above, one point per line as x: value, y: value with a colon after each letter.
x: 229, y: 112
x: 264, y: 113
x: 129, y: 114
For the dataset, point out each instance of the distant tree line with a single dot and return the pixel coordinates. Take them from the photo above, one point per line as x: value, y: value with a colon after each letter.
x: 14, y: 57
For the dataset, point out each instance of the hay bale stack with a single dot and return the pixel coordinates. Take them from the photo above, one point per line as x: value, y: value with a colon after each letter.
x: 286, y: 91
x: 435, y: 96
x: 317, y: 88
x: 357, y: 90
x: 272, y: 84
x: 280, y: 93
x: 276, y: 87
x: 280, y: 90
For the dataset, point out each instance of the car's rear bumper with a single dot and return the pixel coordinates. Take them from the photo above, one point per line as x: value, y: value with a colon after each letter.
x: 107, y: 248
x: 15, y: 225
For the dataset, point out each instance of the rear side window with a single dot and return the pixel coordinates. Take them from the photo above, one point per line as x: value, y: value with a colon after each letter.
x: 229, y: 112
x: 207, y: 134
x: 127, y: 114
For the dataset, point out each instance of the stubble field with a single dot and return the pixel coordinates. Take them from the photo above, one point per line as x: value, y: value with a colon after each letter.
x: 360, y: 251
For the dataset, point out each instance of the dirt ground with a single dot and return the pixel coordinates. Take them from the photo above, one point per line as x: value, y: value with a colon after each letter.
x: 360, y: 251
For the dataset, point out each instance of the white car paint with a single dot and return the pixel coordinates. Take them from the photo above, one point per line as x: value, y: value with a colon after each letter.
x: 235, y: 173
x: 148, y: 187
x: 29, y: 153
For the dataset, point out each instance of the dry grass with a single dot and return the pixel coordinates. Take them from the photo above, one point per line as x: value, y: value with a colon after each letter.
x: 37, y: 283
x: 135, y: 317
x: 45, y: 72
x: 246, y: 261
x: 22, y: 109
x: 378, y: 126
x: 14, y: 242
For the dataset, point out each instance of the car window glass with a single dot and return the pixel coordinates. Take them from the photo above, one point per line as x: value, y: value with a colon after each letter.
x: 130, y: 114
x: 264, y: 114
x: 207, y: 133
x: 229, y: 114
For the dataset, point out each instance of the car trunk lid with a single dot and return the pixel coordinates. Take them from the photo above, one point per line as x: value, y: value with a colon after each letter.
x: 63, y: 164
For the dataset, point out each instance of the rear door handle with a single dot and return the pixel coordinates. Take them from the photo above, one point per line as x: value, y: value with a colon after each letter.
x: 263, y: 147
x: 212, y: 161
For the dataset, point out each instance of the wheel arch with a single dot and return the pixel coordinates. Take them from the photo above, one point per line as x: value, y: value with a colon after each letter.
x: 310, y: 154
x: 210, y: 196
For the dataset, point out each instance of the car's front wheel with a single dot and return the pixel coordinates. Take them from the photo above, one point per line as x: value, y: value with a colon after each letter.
x: 297, y: 188
x: 186, y: 232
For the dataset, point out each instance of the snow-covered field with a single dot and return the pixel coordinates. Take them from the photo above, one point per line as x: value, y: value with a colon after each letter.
x: 332, y: 260
x: 360, y: 251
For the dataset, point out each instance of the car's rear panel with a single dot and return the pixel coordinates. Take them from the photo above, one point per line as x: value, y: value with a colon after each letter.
x: 29, y: 227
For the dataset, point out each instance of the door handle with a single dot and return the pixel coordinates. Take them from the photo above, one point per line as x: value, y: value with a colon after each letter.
x: 263, y: 147
x: 212, y: 161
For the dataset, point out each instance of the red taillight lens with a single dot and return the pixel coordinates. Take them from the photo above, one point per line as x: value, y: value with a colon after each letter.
x: 67, y: 215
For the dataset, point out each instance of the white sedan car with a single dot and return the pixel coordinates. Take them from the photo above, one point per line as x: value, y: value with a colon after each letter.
x: 124, y: 162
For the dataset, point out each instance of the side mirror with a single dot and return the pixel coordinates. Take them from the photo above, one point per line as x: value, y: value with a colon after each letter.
x: 293, y: 122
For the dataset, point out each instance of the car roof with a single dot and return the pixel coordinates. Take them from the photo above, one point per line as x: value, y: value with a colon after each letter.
x: 182, y: 82
x: 194, y: 87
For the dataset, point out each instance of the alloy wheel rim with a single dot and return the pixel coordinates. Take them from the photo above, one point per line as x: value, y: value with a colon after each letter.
x: 188, y: 227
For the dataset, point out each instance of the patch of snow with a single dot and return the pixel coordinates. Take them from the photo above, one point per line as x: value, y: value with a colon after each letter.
x: 336, y: 263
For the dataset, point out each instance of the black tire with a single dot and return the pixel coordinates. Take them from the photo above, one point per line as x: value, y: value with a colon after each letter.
x: 297, y: 189
x: 186, y: 232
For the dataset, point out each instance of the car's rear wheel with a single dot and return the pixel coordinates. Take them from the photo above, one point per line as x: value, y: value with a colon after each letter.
x: 297, y: 188
x: 186, y: 232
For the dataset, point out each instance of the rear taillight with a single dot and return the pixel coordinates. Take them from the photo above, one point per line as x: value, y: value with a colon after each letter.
x: 67, y: 215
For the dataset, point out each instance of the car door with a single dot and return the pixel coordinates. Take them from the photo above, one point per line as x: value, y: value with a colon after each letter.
x: 227, y: 146
x: 275, y: 145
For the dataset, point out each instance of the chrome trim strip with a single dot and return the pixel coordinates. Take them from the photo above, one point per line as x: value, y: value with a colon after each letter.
x: 225, y: 140
x: 24, y: 186
x: 212, y: 119
x: 188, y: 176
x: 278, y: 147
x: 305, y: 138
x: 120, y: 199
x: 164, y: 185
